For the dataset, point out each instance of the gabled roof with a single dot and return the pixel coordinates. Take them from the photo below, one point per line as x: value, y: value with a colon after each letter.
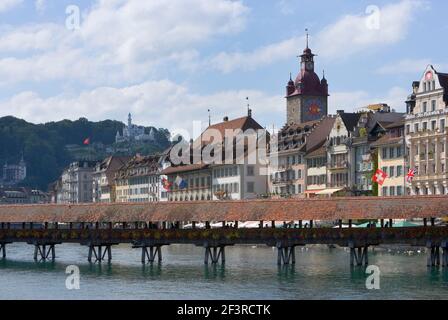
x: 350, y: 120
x: 243, y: 123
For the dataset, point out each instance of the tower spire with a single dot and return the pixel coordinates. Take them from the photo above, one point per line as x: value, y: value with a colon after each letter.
x: 307, y: 38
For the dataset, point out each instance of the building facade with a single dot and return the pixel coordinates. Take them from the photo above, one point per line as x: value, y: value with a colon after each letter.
x: 77, y: 183
x: 104, y: 179
x: 338, y: 148
x: 426, y: 133
x: 13, y: 173
x: 138, y: 180
x: 391, y: 160
x: 236, y: 178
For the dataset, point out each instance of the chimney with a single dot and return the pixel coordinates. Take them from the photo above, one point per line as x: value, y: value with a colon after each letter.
x: 226, y: 119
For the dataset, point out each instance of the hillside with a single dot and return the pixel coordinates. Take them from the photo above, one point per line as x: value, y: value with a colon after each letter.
x: 48, y: 148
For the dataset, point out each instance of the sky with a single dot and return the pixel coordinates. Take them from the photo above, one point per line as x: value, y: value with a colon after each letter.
x: 168, y: 62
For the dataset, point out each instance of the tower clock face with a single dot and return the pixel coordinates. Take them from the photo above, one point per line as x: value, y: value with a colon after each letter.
x: 313, y: 109
x: 309, y: 66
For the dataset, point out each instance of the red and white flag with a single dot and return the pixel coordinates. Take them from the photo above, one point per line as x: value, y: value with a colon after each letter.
x: 86, y: 142
x: 411, y: 174
x: 379, y: 177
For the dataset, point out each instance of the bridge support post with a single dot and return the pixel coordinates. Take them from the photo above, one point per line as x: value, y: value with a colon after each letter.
x: 445, y: 254
x: 433, y: 254
x: 96, y: 251
x: 215, y: 253
x: 154, y: 252
x: 3, y: 250
x: 359, y: 255
x: 43, y: 252
x: 286, y: 254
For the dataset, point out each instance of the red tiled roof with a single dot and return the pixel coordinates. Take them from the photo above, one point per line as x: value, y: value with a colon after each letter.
x: 251, y: 210
x: 185, y: 168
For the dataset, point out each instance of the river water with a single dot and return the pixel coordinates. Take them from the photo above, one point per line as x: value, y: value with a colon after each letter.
x: 249, y: 273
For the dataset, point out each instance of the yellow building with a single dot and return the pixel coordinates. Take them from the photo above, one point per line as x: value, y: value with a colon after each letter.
x: 391, y: 160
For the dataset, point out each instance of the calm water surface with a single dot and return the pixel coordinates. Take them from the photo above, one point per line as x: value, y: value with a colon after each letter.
x: 249, y: 273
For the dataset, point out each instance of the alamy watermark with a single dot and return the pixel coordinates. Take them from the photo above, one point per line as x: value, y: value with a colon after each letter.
x: 373, y: 19
x: 73, y: 279
x: 373, y: 280
x: 73, y: 20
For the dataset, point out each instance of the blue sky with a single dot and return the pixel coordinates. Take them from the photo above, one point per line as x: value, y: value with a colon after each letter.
x: 167, y: 62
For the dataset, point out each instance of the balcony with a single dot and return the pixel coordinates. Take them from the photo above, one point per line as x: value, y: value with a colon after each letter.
x: 338, y: 165
x: 279, y: 181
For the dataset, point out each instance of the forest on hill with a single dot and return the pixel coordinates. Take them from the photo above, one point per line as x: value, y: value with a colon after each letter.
x: 48, y: 148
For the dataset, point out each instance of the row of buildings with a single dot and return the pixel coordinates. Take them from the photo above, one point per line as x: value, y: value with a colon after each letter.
x: 313, y: 154
x: 20, y: 195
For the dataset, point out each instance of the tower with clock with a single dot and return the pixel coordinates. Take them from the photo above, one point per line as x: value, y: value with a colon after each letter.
x: 307, y: 96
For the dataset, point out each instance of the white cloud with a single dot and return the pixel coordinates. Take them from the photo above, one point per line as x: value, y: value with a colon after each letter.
x: 349, y: 35
x: 352, y: 101
x: 409, y: 66
x: 228, y: 62
x: 157, y: 103
x: 6, y: 5
x: 119, y: 40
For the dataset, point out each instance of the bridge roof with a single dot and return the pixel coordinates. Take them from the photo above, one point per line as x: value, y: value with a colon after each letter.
x: 255, y: 210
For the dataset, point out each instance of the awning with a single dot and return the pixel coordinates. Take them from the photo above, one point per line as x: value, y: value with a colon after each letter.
x: 313, y: 191
x: 328, y: 191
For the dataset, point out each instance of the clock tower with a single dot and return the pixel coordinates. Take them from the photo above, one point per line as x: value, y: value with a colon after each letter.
x: 307, y: 96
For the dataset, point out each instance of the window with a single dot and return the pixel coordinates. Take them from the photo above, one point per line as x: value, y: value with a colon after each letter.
x: 391, y: 171
x: 399, y: 171
x: 384, y: 151
x: 425, y: 126
x: 433, y: 125
x: 399, y: 191
x: 408, y: 129
x: 391, y: 153
x: 384, y: 169
x: 425, y: 106
x: 384, y: 191
x: 250, y: 187
x: 442, y: 126
x: 433, y: 105
x: 416, y: 128
x: 250, y: 171
x: 392, y: 191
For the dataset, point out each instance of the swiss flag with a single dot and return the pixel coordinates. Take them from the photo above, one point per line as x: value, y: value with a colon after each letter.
x: 379, y: 177
x: 86, y: 142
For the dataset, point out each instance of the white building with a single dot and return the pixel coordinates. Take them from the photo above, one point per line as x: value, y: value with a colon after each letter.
x: 103, y: 178
x: 13, y: 173
x: 133, y: 132
x: 77, y: 183
x: 426, y: 133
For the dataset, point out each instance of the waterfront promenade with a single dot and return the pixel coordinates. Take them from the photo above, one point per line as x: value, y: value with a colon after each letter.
x: 151, y: 226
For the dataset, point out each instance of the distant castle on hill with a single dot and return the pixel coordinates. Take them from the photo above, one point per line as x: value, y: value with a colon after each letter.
x: 133, y: 132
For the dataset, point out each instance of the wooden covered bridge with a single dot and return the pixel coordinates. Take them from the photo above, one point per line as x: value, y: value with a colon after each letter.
x: 150, y: 226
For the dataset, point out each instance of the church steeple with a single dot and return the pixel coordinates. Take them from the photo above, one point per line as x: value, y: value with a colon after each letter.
x: 307, y: 96
x: 307, y: 58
